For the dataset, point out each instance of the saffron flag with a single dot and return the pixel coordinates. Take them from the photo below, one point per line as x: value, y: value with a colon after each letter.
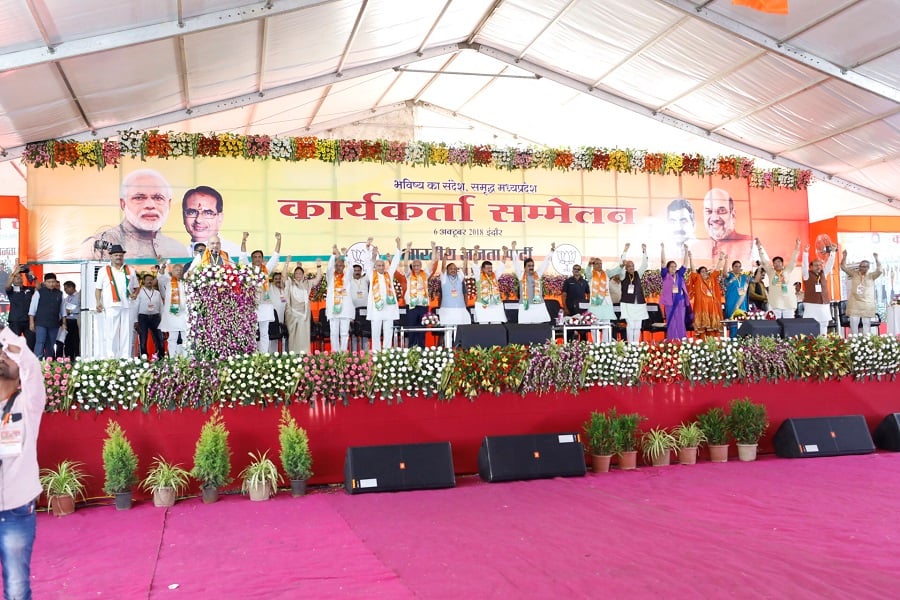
x: 770, y: 6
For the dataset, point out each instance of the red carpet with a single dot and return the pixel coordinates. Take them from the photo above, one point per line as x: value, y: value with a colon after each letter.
x: 816, y: 528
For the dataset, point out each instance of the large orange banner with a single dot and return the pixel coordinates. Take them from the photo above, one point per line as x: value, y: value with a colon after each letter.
x: 162, y: 207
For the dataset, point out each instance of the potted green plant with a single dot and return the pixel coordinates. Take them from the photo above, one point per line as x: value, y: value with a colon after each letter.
x: 166, y: 481
x: 120, y: 464
x: 260, y: 478
x: 295, y: 456
x: 212, y: 458
x: 600, y: 433
x: 63, y: 486
x: 657, y: 445
x: 626, y: 428
x: 714, y: 425
x: 747, y: 422
x: 688, y: 436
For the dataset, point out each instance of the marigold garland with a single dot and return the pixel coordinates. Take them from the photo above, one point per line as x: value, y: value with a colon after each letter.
x: 142, y: 144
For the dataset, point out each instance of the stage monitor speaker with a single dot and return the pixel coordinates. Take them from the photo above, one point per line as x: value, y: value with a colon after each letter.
x: 398, y: 467
x: 887, y: 434
x: 766, y: 327
x: 823, y: 436
x: 484, y: 335
x: 529, y: 333
x: 796, y: 327
x: 543, y: 455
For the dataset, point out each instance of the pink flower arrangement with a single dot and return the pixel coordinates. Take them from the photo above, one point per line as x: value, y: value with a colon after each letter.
x: 56, y: 381
x: 552, y: 284
x: 508, y: 284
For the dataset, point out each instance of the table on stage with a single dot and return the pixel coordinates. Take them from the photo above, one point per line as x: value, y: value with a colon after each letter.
x: 595, y: 330
x: 893, y: 319
x: 449, y: 332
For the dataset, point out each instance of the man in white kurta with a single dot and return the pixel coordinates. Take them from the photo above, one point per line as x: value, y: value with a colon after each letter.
x: 265, y: 309
x: 174, y: 309
x: 115, y: 284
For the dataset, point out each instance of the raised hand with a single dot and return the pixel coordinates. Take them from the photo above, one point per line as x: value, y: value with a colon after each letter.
x: 278, y: 235
x: 246, y: 235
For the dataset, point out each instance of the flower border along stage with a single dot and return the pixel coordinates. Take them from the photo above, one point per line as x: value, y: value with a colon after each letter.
x: 156, y: 144
x: 397, y: 373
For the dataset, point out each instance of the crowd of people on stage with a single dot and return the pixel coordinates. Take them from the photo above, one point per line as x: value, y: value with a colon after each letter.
x: 363, y: 304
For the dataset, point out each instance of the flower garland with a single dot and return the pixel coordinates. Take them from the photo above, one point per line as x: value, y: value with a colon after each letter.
x: 395, y: 373
x: 153, y: 143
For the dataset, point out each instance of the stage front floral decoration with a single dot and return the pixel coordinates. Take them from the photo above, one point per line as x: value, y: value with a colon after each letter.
x: 108, y: 384
x: 56, y: 382
x: 154, y: 143
x: 484, y: 370
x: 222, y: 309
x: 427, y: 373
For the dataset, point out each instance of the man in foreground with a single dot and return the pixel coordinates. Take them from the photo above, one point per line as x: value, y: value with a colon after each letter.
x: 23, y: 395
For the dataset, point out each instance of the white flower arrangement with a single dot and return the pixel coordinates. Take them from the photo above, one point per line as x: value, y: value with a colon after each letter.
x: 614, y: 363
x: 108, y: 383
x: 874, y: 356
x: 431, y: 320
x: 712, y: 360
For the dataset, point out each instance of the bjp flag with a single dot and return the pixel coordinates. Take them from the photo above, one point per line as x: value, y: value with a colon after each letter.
x: 770, y: 6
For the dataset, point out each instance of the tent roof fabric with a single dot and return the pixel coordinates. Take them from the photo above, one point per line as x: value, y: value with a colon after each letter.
x: 816, y: 88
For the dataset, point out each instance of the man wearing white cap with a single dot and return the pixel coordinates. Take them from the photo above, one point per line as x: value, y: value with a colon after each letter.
x: 115, y: 284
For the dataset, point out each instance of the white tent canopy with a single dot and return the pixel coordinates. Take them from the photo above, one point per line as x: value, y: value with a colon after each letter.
x: 818, y: 88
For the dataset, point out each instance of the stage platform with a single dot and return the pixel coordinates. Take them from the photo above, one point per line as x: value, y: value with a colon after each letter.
x: 332, y: 428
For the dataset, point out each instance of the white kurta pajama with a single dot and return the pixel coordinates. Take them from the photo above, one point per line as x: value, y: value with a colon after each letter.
x: 174, y: 314
x: 115, y: 322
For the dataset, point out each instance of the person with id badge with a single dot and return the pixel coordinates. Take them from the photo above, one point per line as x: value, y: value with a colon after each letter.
x: 23, y: 396
x: 265, y: 309
x: 816, y: 296
x: 861, y: 294
x: 633, y: 304
x: 782, y: 300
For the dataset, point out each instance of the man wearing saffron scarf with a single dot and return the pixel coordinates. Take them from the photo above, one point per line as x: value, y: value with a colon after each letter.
x: 339, y: 308
x: 174, y: 308
x: 417, y: 294
x: 212, y: 255
x: 265, y: 309
x: 382, y: 309
x: 115, y: 284
x: 531, y: 298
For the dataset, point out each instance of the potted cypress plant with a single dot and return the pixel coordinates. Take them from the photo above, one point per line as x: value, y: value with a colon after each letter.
x: 626, y: 429
x: 689, y: 436
x: 166, y: 481
x: 601, y: 439
x: 260, y: 478
x: 747, y: 422
x: 295, y: 456
x: 714, y: 425
x: 63, y: 486
x: 212, y: 458
x: 657, y: 445
x: 120, y: 465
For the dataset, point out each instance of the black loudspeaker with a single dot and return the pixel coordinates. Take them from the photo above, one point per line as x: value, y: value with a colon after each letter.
x: 398, y: 467
x: 768, y: 327
x: 796, y: 327
x: 887, y: 434
x: 512, y: 457
x: 823, y: 436
x: 480, y: 334
x: 529, y: 333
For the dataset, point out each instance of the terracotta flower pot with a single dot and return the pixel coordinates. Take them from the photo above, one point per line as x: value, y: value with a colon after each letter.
x: 687, y: 456
x: 628, y: 460
x: 663, y: 460
x: 718, y: 453
x: 164, y: 497
x: 62, y: 505
x: 600, y: 462
x: 747, y: 452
